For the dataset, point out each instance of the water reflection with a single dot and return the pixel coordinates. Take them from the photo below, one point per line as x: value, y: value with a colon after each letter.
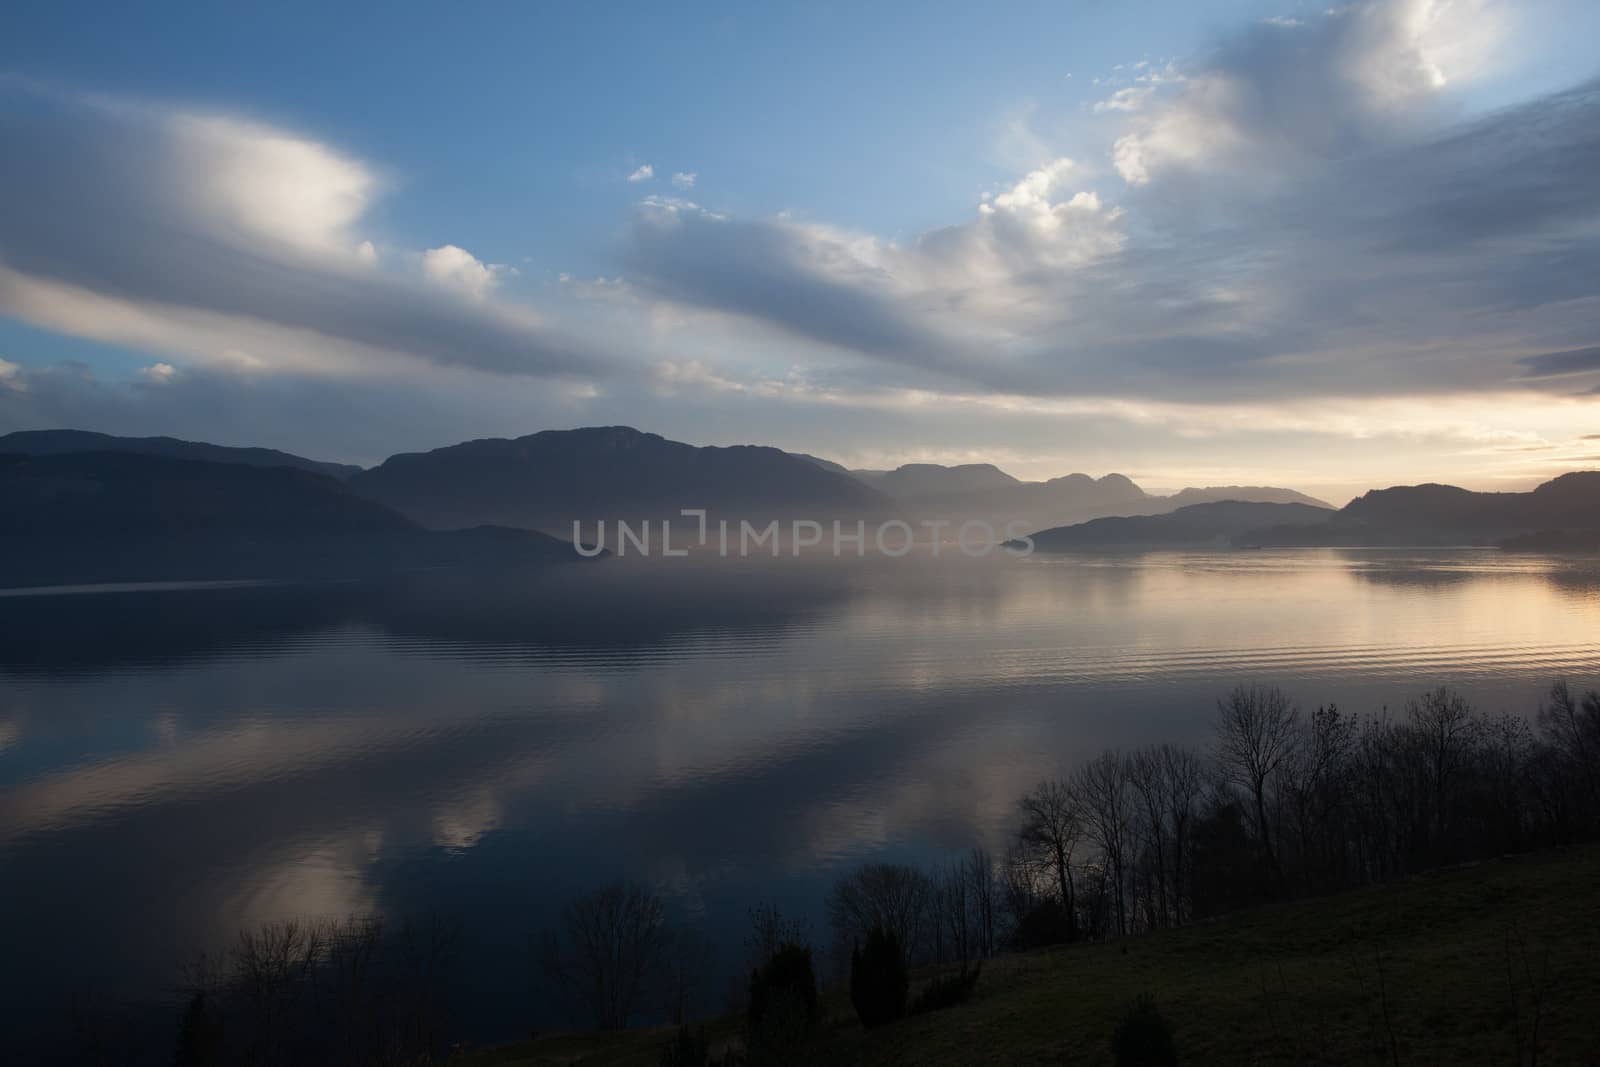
x: 176, y: 764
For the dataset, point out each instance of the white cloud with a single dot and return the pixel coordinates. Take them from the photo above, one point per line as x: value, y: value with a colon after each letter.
x: 684, y: 179
x: 456, y: 268
x: 275, y: 185
x: 158, y: 373
x: 643, y: 174
x: 11, y: 377
x: 186, y: 235
x: 1130, y: 99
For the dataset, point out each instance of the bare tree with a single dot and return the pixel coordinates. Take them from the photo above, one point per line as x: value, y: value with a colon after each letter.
x: 1146, y: 770
x: 1446, y: 733
x: 978, y: 870
x: 685, y: 970
x: 1052, y: 827
x: 886, y: 896
x: 952, y: 913
x: 1255, y: 736
x: 1317, y: 774
x: 1101, y: 786
x: 1183, y: 780
x: 607, y: 952
x: 1572, y: 727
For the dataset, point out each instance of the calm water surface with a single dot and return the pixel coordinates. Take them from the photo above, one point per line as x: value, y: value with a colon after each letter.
x: 176, y: 763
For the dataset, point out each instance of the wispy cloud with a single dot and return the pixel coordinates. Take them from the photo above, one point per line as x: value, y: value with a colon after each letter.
x: 171, y: 231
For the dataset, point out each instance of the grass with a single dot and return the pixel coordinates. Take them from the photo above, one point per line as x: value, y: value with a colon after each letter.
x: 1439, y: 969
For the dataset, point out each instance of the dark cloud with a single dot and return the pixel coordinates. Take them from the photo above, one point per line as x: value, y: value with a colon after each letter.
x: 1553, y: 363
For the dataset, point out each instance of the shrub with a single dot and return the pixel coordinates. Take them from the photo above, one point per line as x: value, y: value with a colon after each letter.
x: 688, y: 1048
x: 946, y: 991
x: 878, y: 979
x: 1045, y: 923
x: 1143, y: 1038
x: 783, y: 1004
x: 199, y: 1035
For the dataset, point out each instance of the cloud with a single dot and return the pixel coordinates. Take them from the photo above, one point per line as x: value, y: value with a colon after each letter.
x: 1551, y: 364
x: 179, y: 233
x: 1304, y: 214
x: 1286, y: 92
x: 643, y: 174
x: 459, y: 269
x: 930, y: 304
x: 158, y: 373
x: 1131, y: 98
x: 11, y: 376
x: 684, y: 179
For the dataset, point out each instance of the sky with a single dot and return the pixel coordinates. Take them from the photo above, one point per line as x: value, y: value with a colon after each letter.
x: 1195, y: 243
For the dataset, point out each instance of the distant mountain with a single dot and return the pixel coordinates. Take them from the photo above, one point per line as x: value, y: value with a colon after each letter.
x: 1258, y: 494
x: 1219, y: 524
x: 547, y: 480
x: 982, y: 491
x: 1446, y: 515
x: 924, y: 480
x: 66, y: 442
x: 119, y: 516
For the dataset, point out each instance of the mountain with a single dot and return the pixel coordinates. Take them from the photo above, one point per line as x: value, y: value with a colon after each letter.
x: 923, y: 480
x: 984, y: 492
x: 66, y: 442
x: 122, y: 516
x: 1258, y: 494
x: 1218, y: 524
x: 1432, y: 514
x: 547, y: 480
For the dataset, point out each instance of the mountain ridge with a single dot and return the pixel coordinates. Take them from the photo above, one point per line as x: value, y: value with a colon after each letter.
x: 75, y: 442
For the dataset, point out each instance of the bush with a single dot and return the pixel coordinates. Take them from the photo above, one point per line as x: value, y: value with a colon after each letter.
x: 783, y: 1004
x: 199, y: 1035
x: 1143, y: 1038
x: 946, y: 991
x: 688, y: 1048
x: 1045, y: 923
x: 878, y: 979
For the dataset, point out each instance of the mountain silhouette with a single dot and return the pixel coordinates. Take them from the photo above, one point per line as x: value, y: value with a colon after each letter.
x: 984, y: 492
x: 1434, y: 514
x: 1217, y: 524
x: 548, y: 480
x: 122, y: 516
x: 65, y: 442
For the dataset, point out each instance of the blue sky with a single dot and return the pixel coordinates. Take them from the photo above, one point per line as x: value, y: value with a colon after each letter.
x: 1163, y: 278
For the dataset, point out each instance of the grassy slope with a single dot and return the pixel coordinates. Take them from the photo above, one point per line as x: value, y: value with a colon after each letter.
x: 1293, y: 984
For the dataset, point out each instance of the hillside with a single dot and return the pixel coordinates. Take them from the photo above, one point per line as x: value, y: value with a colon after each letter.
x: 66, y: 442
x: 1309, y: 982
x: 1435, y: 514
x: 547, y: 480
x: 1221, y: 524
x: 120, y: 516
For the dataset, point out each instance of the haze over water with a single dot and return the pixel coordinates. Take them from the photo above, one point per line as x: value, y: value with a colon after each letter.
x: 178, y: 763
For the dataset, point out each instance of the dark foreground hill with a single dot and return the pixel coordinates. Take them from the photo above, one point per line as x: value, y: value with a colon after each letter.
x: 1463, y: 966
x: 1222, y: 524
x: 68, y: 442
x: 99, y: 517
x: 548, y: 480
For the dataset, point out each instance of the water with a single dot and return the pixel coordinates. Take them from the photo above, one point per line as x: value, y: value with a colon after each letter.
x: 178, y: 762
